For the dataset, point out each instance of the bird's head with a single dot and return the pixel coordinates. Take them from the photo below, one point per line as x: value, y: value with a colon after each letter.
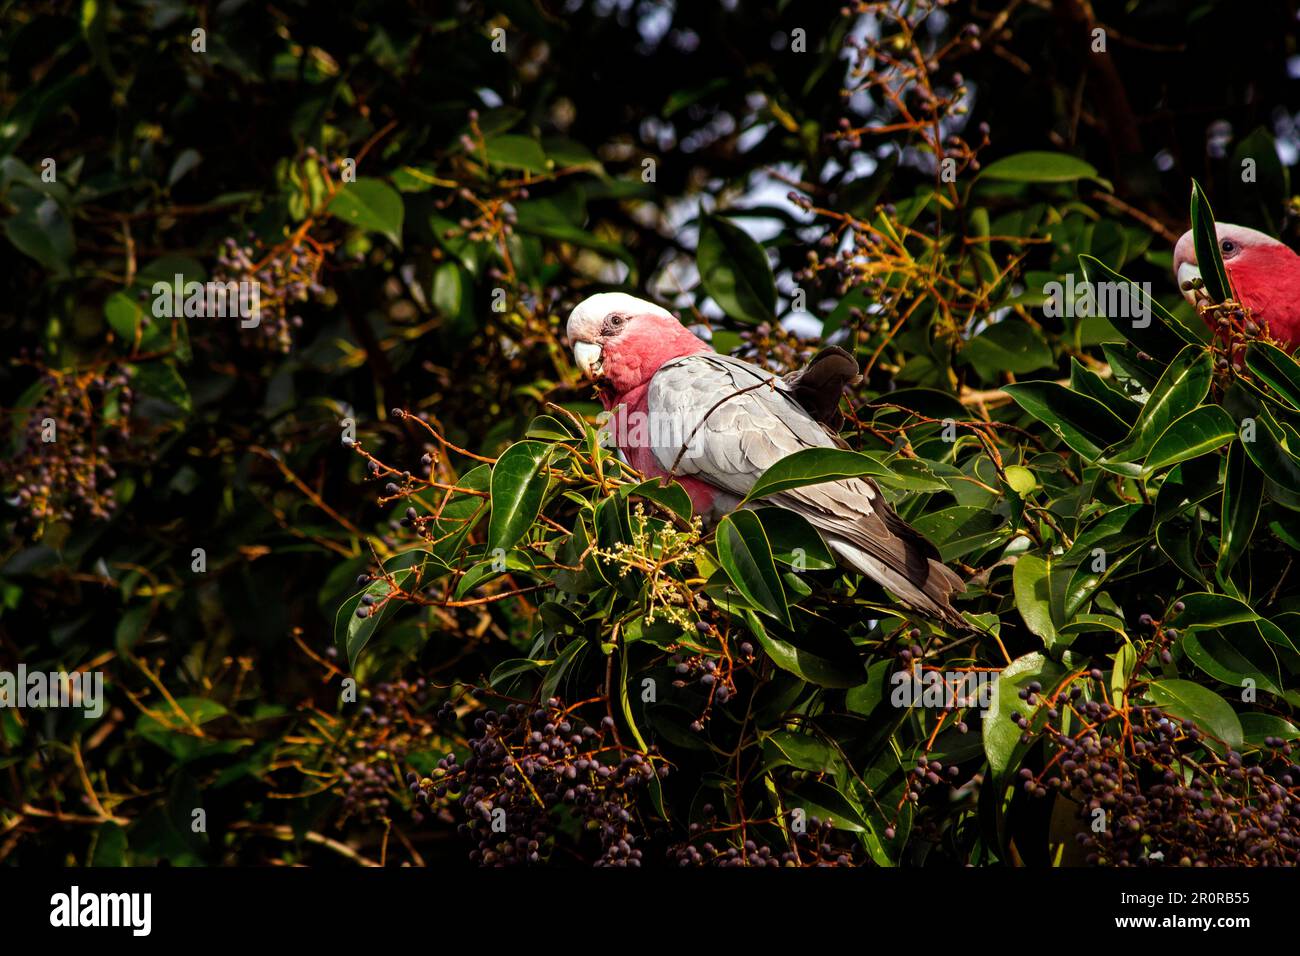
x: 619, y: 341
x: 1251, y: 258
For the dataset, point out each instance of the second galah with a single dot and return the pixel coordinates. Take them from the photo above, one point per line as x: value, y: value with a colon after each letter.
x: 1264, y: 272
x: 716, y: 423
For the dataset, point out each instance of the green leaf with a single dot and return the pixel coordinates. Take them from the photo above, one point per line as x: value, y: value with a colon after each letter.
x: 197, y: 710
x: 1242, y: 491
x: 1273, y: 449
x: 785, y: 748
x: 1233, y: 654
x: 510, y: 151
x: 1266, y: 193
x: 519, y: 480
x: 573, y: 553
x: 808, y: 666
x: 110, y: 846
x: 1206, y: 239
x: 822, y: 801
x: 810, y: 466
x: 1086, y: 579
x: 735, y: 272
x: 1136, y: 370
x: 353, y: 633
x: 1008, y: 346
x: 542, y: 217
x: 459, y: 514
x: 1138, y: 317
x: 1203, y: 707
x: 1032, y: 585
x: 1021, y: 479
x: 40, y: 229
x: 1276, y: 369
x: 1087, y: 382
x: 746, y: 556
x: 1188, y: 484
x: 1256, y: 727
x: 372, y: 205
x: 1040, y: 167
x: 1176, y: 538
x: 162, y: 381
x: 483, y: 571
x: 566, y: 153
x: 1204, y: 609
x: 671, y: 496
x: 962, y: 529
x: 563, y: 662
x: 1201, y: 430
x: 1001, y: 736
x: 95, y: 15
x: 125, y: 315
x: 909, y: 474
x: 1182, y: 387
x: 794, y: 540
x: 1116, y: 529
x: 1083, y: 423
x: 1125, y: 662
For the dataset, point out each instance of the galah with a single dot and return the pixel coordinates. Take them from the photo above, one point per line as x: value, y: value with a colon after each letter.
x: 717, y: 423
x: 1264, y: 272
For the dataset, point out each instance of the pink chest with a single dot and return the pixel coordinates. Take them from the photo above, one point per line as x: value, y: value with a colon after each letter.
x: 1272, y: 292
x: 629, y: 423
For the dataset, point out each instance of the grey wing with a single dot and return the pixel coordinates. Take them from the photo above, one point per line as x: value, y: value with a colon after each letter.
x: 725, y: 421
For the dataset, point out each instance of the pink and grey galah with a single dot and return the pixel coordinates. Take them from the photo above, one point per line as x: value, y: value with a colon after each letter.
x: 1264, y: 272
x: 716, y: 423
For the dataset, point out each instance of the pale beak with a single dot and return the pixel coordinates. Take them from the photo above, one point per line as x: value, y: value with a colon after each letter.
x: 587, y: 355
x: 1188, y: 271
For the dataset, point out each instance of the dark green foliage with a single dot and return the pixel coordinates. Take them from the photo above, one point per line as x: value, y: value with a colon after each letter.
x: 363, y: 574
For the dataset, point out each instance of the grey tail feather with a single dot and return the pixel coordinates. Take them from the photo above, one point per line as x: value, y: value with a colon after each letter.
x: 927, y: 587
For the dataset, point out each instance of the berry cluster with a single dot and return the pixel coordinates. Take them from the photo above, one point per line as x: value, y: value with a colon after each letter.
x: 62, y: 466
x: 534, y: 776
x: 816, y: 844
x: 288, y: 275
x: 390, y: 726
x: 774, y: 348
x: 1152, y: 789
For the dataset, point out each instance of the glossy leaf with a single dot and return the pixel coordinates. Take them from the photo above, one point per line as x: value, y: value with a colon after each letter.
x: 1034, y: 596
x: 372, y: 205
x: 1203, y: 707
x: 1040, y: 167
x: 746, y: 556
x: 1180, y: 389
x: 1242, y: 492
x: 810, y: 466
x: 1201, y: 430
x: 1083, y: 423
x: 803, y: 663
x: 1001, y: 734
x: 1275, y: 369
x: 735, y: 271
x: 1139, y: 317
x: 1208, y: 256
x: 519, y: 483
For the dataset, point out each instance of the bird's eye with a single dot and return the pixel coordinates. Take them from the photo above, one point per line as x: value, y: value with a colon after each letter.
x: 616, y: 320
x: 1227, y: 247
